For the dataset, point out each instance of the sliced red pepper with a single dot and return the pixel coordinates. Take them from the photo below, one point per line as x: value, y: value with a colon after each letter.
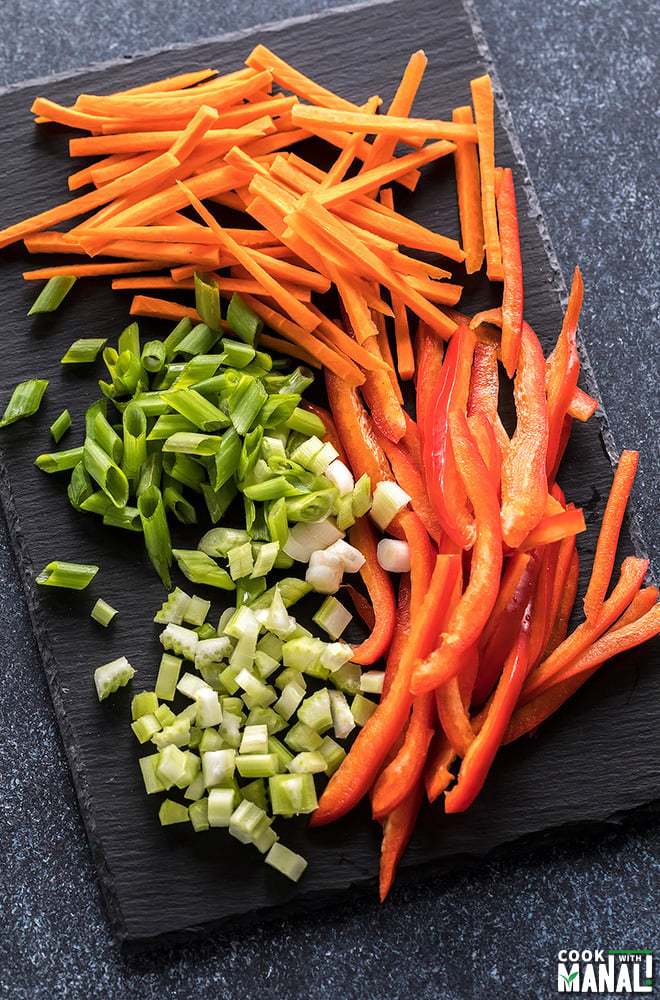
x: 422, y: 556
x: 513, y: 295
x: 356, y: 431
x: 484, y: 436
x: 331, y: 432
x: 398, y: 828
x: 401, y: 632
x: 412, y: 441
x: 361, y: 604
x: 554, y: 527
x: 355, y: 775
x: 566, y: 585
x: 582, y: 405
x: 478, y: 599
x: 381, y: 594
x: 562, y: 371
x: 397, y: 780
x: 429, y: 354
x: 444, y: 484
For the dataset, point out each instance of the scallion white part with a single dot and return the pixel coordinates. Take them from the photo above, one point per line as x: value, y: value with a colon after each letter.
x: 394, y: 555
x: 340, y: 476
x: 388, y: 500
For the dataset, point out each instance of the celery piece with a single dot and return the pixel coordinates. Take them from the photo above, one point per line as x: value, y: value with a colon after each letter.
x: 302, y: 653
x: 177, y: 734
x: 209, y: 709
x: 207, y: 300
x: 242, y: 320
x: 308, y: 762
x: 144, y: 703
x: 254, y: 739
x: 342, y: 717
x: 25, y: 401
x: 257, y: 765
x: 83, y: 351
x: 171, y: 812
x: 286, y: 861
x: 335, y: 655
x: 195, y: 790
x: 197, y: 567
x: 372, y: 681
x: 240, y: 561
x: 59, y: 461
x: 315, y: 711
x: 152, y: 783
x: 282, y: 753
x: 156, y: 532
x: 255, y: 791
x: 302, y: 737
x: 196, y: 611
x: 292, y: 794
x: 248, y: 821
x: 102, y: 612
x: 199, y: 814
x: 332, y: 753
x: 74, y: 576
x: 256, y: 692
x: 289, y: 700
x: 165, y: 715
x: 171, y: 766
x: 190, y: 684
x: 212, y: 651
x: 264, y: 715
x: 265, y: 555
x: 60, y: 426
x: 111, y: 676
x: 52, y: 294
x: 211, y: 739
x: 146, y: 727
x: 347, y: 678
x: 221, y: 802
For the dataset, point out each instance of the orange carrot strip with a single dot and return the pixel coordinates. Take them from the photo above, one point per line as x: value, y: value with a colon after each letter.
x: 146, y: 305
x: 50, y: 111
x: 338, y: 170
x: 199, y: 125
x: 468, y: 189
x: 169, y: 83
x: 92, y: 270
x: 383, y: 147
x: 334, y: 336
x: 354, y: 305
x: 152, y: 281
x: 512, y: 295
x: 402, y: 128
x: 295, y: 309
x: 482, y: 98
x: 295, y: 81
x: 610, y: 529
x: 383, y: 220
x: 292, y: 272
x: 385, y: 352
x: 270, y: 343
x: 157, y: 169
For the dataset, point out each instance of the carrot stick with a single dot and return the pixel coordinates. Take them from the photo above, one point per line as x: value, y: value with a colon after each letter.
x: 200, y: 123
x: 338, y: 170
x: 608, y: 536
x: 270, y: 343
x: 513, y: 295
x: 383, y: 147
x: 468, y: 190
x: 92, y: 270
x: 553, y: 528
x: 295, y: 81
x: 482, y: 98
x: 146, y: 305
x: 170, y: 83
x: 402, y: 128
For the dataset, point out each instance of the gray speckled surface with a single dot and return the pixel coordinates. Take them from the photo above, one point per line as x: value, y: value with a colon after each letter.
x: 580, y: 83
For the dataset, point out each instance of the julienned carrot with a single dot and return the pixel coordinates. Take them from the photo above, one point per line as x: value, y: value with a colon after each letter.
x: 280, y: 346
x: 468, y: 190
x: 340, y: 167
x: 403, y: 128
x: 92, y: 270
x: 608, y: 536
x: 383, y: 146
x: 292, y: 79
x: 482, y: 99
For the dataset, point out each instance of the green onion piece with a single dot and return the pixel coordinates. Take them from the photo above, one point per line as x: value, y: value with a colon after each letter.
x: 237, y: 353
x: 217, y: 501
x: 199, y: 340
x: 59, y: 461
x: 218, y: 541
x: 168, y: 676
x: 245, y: 403
x: 151, y: 402
x: 97, y: 503
x: 135, y: 442
x: 127, y: 518
x: 207, y: 300
x: 180, y: 506
x: 25, y: 401
x: 200, y: 411
x: 156, y: 531
x: 250, y: 453
x: 169, y: 424
x: 242, y: 320
x: 193, y: 443
x: 74, y: 576
x: 172, y: 341
x: 80, y: 486
x: 248, y: 589
x: 171, y: 812
x: 106, y: 437
x: 240, y: 561
x: 129, y: 340
x: 103, y: 613
x: 198, y: 567
x: 52, y: 294
x: 306, y: 423
x: 197, y: 370
x: 388, y: 500
x: 226, y: 459
x: 60, y: 426
x: 154, y: 355
x: 266, y: 554
x: 111, y: 676
x: 105, y: 472
x: 314, y: 507
x: 184, y: 469
x: 361, y: 496
x: 150, y: 473
x: 83, y: 351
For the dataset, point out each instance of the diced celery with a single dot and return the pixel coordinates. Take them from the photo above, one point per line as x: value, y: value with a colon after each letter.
x: 198, y: 812
x: 371, y: 681
x: 168, y: 676
x: 308, y: 762
x: 171, y: 767
x: 286, y: 861
x: 247, y: 821
x: 165, y: 715
x: 257, y: 765
x: 196, y: 611
x: 292, y: 794
x: 332, y: 617
x: 211, y: 739
x: 177, y: 733
x: 254, y: 739
x: 144, y: 703
x: 146, y: 727
x: 255, y: 791
x: 196, y: 789
x: 289, y: 700
x: 209, y: 709
x: 347, y: 678
x: 179, y: 640
x: 302, y: 737
x: 172, y: 812
x: 342, y: 717
x: 315, y: 711
x: 220, y: 806
x: 362, y: 709
x: 332, y: 753
x: 152, y: 782
x: 218, y: 766
x: 173, y: 608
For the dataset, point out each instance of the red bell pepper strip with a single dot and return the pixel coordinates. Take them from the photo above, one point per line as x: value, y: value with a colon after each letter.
x: 401, y: 632
x: 485, y: 389
x: 397, y: 831
x: 503, y: 627
x: 356, y: 431
x: 484, y: 437
x: 582, y: 405
x: 630, y: 580
x: 608, y: 536
x: 357, y: 772
x: 381, y: 594
x: 398, y: 778
x: 378, y: 393
x: 444, y: 484
x: 410, y: 479
x: 331, y: 433
x: 477, y: 602
x: 562, y: 371
x: 513, y: 295
x: 429, y: 354
x: 481, y: 753
x: 412, y: 441
x: 618, y: 639
x: 422, y: 556
x: 566, y: 585
x: 554, y: 527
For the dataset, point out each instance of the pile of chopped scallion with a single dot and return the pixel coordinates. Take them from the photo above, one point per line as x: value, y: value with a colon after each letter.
x: 204, y: 418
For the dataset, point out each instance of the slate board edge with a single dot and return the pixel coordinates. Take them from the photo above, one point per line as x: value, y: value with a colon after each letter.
x: 553, y: 834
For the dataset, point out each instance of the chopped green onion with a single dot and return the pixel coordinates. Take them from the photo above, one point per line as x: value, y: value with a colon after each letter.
x: 218, y: 541
x: 109, y: 677
x: 361, y: 496
x: 105, y: 472
x: 129, y: 340
x: 237, y: 353
x: 242, y: 320
x: 52, y: 294
x: 197, y: 567
x: 83, y: 351
x: 388, y: 500
x: 25, y: 401
x: 102, y: 612
x: 80, y: 486
x: 154, y: 355
x: 74, y: 576
x: 245, y: 403
x: 134, y: 424
x: 168, y: 424
x: 305, y: 422
x: 156, y: 531
x: 60, y: 426
x: 59, y: 461
x: 199, y: 340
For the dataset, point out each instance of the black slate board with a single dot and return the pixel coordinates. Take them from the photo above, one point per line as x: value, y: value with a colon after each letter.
x: 592, y: 761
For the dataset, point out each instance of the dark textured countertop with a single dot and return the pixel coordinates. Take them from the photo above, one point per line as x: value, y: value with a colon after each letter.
x: 581, y: 83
